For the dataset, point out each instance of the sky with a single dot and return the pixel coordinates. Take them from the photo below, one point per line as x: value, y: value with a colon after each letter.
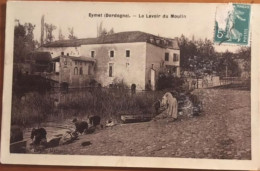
x: 196, y: 19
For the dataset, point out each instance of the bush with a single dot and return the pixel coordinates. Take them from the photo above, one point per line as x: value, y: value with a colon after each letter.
x: 30, y: 109
x: 108, y: 103
x: 119, y: 84
x: 169, y: 82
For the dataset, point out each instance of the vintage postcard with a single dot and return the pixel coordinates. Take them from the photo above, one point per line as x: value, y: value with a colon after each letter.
x: 159, y: 85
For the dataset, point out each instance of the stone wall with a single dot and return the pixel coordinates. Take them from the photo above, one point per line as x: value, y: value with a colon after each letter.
x: 129, y: 69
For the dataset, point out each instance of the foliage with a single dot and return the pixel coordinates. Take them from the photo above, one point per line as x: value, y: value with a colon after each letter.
x: 187, y: 51
x: 200, y: 57
x: 27, y: 83
x: 227, y: 66
x: 119, y: 83
x: 107, y: 103
x: 111, y: 102
x: 49, y: 28
x: 30, y: 109
x: 61, y: 36
x: 23, y: 45
x: 103, y: 31
x: 42, y: 30
x: 197, y: 56
x: 244, y: 53
x: 111, y: 31
x: 71, y: 33
x: 167, y: 81
x: 23, y: 41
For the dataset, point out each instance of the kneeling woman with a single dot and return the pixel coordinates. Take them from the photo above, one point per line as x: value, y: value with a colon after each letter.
x: 172, y: 105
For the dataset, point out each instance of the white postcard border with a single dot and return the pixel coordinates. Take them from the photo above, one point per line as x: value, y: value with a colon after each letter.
x: 112, y: 161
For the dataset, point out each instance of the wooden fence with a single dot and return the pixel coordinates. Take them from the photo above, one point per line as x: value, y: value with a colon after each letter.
x: 213, y: 81
x: 230, y: 80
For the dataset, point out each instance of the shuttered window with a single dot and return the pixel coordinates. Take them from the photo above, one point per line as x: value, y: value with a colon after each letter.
x: 166, y: 57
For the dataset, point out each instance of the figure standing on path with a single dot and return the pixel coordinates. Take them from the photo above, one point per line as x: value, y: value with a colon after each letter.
x: 172, y: 105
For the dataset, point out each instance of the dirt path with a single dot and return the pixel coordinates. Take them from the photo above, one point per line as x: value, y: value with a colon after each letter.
x: 221, y: 132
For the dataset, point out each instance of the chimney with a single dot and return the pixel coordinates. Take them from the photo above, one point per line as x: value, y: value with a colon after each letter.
x: 151, y: 39
x: 158, y: 41
x: 173, y: 43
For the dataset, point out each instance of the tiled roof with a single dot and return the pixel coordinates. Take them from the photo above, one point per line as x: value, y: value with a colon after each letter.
x: 39, y: 56
x: 75, y: 58
x: 121, y: 37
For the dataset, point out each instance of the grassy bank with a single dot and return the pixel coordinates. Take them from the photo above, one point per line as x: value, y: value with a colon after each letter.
x: 35, y: 108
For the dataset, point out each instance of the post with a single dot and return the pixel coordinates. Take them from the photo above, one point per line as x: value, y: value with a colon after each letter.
x: 226, y: 70
x: 197, y: 82
x: 226, y: 73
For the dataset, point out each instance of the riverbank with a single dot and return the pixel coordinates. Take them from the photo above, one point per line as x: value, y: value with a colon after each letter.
x: 222, y: 131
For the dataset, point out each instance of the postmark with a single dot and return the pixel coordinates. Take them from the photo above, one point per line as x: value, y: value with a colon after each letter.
x: 232, y: 24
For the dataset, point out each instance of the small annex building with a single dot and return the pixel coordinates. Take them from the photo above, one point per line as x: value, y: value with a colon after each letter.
x: 72, y: 71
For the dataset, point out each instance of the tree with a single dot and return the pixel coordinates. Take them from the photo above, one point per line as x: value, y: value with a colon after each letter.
x: 244, y: 53
x: 23, y: 45
x: 99, y: 29
x: 42, y: 30
x: 37, y: 44
x: 227, y: 66
x: 61, y: 36
x: 49, y: 28
x: 198, y: 57
x: 244, y: 56
x: 29, y: 37
x: 188, y: 50
x: 19, y: 44
x: 167, y: 81
x: 23, y: 41
x: 71, y: 33
x: 103, y: 31
x: 111, y: 31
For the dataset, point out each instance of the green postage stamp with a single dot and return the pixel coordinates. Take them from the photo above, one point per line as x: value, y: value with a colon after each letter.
x: 232, y: 24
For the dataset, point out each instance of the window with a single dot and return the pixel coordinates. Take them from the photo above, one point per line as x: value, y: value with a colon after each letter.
x: 75, y: 71
x: 76, y: 62
x: 65, y: 61
x: 174, y: 70
x: 111, y: 54
x: 175, y: 57
x: 62, y: 53
x: 127, y: 53
x: 53, y: 66
x: 92, y: 54
x: 166, y: 58
x: 110, y: 72
x: 68, y: 54
x: 80, y: 71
